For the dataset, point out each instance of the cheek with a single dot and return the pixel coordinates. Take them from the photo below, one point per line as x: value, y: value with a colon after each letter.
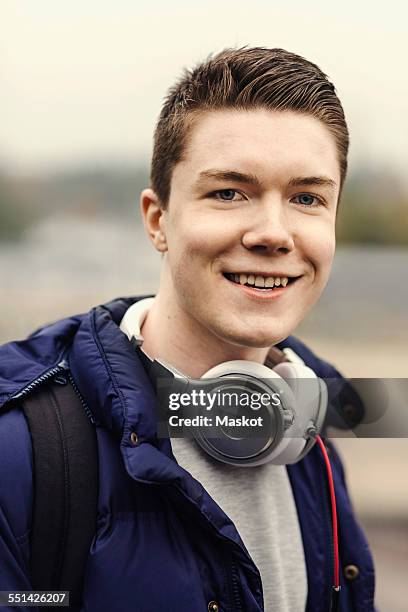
x: 315, y: 240
x: 321, y: 249
x: 199, y: 238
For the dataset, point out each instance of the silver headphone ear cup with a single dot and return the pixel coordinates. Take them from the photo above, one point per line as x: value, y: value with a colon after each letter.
x: 269, y: 381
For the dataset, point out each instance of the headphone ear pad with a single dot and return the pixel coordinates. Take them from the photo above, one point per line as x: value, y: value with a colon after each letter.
x: 293, y: 373
x: 288, y: 369
x: 303, y: 382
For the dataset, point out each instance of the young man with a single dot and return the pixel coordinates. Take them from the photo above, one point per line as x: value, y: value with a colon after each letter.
x: 250, y: 156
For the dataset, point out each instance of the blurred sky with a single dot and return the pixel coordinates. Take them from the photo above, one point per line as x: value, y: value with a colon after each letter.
x: 83, y: 80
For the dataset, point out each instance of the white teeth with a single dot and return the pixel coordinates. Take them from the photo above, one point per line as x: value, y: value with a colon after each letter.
x: 260, y: 281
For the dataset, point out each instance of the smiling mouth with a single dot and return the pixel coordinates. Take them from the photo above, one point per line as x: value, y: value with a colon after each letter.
x: 257, y: 281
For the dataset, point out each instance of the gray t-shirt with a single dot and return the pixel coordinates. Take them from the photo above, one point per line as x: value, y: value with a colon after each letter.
x: 259, y: 501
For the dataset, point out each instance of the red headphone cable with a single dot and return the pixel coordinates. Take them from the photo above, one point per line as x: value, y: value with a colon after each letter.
x: 336, y: 588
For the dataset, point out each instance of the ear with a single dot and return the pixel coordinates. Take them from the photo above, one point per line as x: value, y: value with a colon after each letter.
x: 154, y: 219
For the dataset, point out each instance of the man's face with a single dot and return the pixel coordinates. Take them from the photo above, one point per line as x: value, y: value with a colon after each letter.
x: 253, y: 201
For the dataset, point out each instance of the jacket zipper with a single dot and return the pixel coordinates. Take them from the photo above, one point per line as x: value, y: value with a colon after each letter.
x: 47, y: 376
x: 83, y: 402
x: 52, y: 374
x: 235, y: 588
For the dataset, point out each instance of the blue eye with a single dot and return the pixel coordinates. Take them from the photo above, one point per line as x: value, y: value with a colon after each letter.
x: 226, y: 194
x: 307, y: 199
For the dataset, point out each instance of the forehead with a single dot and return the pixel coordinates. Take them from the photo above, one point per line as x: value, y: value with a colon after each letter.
x: 273, y: 145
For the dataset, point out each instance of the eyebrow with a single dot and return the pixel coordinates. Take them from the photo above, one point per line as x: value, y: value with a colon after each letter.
x: 322, y: 181
x: 228, y: 175
x: 251, y: 179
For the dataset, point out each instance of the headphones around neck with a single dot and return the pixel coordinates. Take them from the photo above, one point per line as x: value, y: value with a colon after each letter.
x: 291, y: 424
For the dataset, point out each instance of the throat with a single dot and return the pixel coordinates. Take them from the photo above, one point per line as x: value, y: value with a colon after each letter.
x: 187, y: 345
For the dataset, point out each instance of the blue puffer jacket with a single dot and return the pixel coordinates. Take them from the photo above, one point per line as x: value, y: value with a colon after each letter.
x: 162, y: 543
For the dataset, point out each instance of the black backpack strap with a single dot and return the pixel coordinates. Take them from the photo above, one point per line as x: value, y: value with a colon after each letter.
x: 65, y: 472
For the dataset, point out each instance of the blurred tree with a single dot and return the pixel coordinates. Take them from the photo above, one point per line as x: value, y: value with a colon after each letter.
x: 373, y: 210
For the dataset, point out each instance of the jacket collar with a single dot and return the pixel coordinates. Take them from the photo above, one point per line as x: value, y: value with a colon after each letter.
x: 109, y: 374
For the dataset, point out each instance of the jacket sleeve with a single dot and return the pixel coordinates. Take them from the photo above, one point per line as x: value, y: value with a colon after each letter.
x: 16, y: 491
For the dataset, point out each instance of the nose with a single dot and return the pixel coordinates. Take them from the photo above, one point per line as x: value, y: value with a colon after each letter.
x: 269, y: 232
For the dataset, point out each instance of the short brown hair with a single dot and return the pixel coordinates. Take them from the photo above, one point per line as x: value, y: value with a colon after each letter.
x: 243, y: 79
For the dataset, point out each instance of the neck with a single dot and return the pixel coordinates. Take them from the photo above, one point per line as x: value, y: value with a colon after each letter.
x: 171, y: 334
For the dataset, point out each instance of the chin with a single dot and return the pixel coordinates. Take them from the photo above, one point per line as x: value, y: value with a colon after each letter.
x: 253, y: 339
